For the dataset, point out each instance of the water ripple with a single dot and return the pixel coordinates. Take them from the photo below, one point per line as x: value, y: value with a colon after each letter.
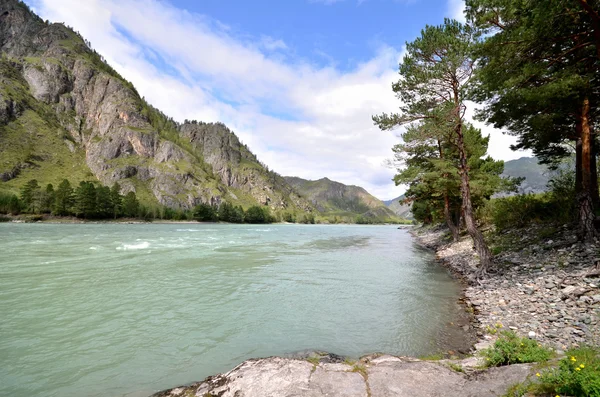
x: 109, y: 310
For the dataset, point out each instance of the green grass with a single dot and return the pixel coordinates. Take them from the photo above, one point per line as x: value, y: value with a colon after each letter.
x: 361, y: 369
x: 509, y: 348
x: 456, y: 367
x: 575, y: 375
x: 32, y: 140
x: 432, y: 357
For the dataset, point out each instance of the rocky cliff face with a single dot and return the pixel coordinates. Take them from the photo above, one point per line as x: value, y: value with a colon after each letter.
x: 61, y: 103
x: 399, y: 208
x: 333, y: 197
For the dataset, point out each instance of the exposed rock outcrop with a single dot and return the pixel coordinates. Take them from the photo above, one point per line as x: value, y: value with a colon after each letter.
x: 373, y: 376
x: 50, y: 70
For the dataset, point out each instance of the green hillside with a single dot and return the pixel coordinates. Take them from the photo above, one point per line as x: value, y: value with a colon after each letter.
x: 342, y: 203
x: 66, y: 114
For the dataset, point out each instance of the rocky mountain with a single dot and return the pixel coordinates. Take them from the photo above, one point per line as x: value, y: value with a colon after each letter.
x: 536, y: 175
x: 336, y: 199
x: 65, y: 113
x: 399, y: 208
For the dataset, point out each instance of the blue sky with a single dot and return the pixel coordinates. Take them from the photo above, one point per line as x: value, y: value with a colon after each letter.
x: 296, y: 80
x: 343, y: 32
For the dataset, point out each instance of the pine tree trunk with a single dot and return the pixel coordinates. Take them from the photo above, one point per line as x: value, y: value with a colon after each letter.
x: 595, y: 192
x: 485, y: 256
x: 585, y: 211
x: 448, y: 217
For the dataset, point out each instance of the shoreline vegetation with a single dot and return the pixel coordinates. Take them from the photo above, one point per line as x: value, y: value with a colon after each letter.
x: 50, y: 219
x: 92, y: 202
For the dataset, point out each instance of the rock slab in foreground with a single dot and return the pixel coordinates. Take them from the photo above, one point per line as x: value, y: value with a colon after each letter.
x: 381, y: 376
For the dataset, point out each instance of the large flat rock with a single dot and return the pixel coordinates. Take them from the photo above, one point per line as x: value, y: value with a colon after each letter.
x: 382, y: 376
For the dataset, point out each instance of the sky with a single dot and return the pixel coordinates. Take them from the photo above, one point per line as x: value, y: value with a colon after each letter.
x: 296, y: 80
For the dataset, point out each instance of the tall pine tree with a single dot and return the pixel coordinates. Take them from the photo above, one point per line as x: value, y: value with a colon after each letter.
x: 63, y: 199
x: 434, y: 75
x: 538, y: 77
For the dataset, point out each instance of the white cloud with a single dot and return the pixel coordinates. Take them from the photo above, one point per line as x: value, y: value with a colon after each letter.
x: 299, y: 119
x: 456, y: 10
x: 271, y: 44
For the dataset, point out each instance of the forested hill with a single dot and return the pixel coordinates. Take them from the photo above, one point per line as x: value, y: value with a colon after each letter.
x: 336, y: 199
x: 66, y: 113
x: 536, y: 175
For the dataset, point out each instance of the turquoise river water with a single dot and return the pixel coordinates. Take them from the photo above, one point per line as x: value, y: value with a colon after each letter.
x: 110, y: 310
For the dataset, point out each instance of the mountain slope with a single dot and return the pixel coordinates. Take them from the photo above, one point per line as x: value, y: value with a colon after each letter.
x: 65, y: 113
x: 334, y: 198
x: 397, y: 207
x: 536, y: 175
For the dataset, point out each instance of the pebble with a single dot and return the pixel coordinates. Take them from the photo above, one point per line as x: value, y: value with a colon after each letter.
x: 540, y: 293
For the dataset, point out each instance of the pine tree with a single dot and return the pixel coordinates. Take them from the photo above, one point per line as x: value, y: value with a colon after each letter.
x: 30, y: 195
x: 63, y: 199
x: 434, y: 75
x: 255, y: 214
x: 538, y: 77
x: 85, y: 200
x: 48, y: 198
x: 225, y: 213
x: 104, y: 207
x: 205, y: 213
x: 431, y: 171
x: 130, y: 205
x: 238, y: 215
x: 116, y: 200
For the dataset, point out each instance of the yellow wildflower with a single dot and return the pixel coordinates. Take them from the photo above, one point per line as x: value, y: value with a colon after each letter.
x: 577, y: 369
x: 538, y: 375
x: 573, y: 359
x: 582, y: 366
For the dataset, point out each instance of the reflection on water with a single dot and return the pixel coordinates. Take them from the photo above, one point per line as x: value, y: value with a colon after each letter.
x: 110, y: 310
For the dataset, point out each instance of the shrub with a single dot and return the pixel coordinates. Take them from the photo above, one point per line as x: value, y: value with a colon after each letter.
x: 577, y: 375
x: 257, y: 214
x: 9, y: 204
x: 512, y: 349
x: 518, y: 211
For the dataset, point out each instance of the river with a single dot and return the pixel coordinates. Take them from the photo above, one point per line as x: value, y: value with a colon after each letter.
x: 108, y: 310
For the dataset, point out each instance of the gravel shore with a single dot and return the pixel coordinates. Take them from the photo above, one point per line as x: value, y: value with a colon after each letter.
x: 542, y: 287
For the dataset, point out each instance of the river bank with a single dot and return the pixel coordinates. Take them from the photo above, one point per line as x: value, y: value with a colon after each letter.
x: 544, y: 284
x: 372, y: 376
x: 544, y: 288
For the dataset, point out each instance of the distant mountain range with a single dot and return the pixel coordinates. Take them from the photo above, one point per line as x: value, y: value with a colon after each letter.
x: 334, y: 199
x: 536, y: 175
